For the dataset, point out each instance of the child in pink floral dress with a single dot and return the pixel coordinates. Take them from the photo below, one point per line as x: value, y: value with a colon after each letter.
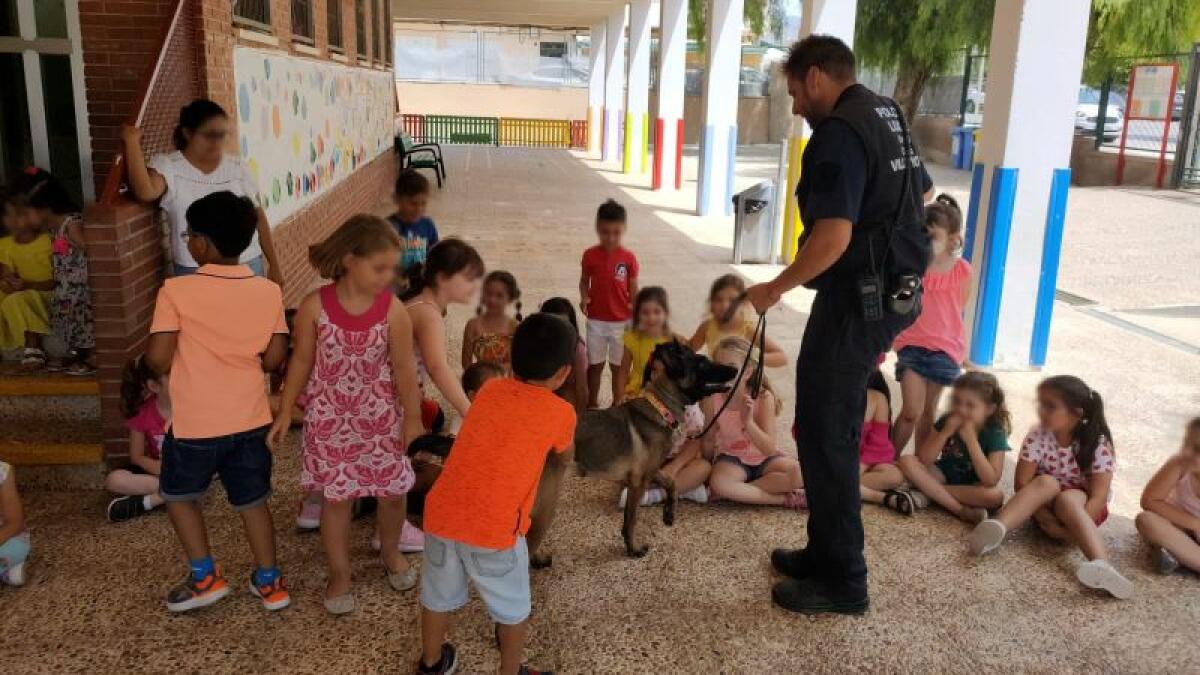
x: 354, y: 362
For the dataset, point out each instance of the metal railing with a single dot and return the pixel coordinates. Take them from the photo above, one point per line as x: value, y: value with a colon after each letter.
x: 499, y: 131
x: 303, y: 29
x: 253, y: 13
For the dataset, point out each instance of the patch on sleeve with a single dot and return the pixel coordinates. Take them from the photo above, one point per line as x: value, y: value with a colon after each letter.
x: 827, y: 177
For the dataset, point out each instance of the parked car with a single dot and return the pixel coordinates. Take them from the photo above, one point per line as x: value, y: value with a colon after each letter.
x: 1087, y: 113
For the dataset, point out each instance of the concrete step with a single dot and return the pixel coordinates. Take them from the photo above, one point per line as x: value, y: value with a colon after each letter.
x: 46, y: 384
x: 50, y: 419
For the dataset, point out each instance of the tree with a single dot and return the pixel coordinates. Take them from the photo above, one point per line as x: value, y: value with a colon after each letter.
x: 918, y: 39
x: 759, y: 14
x: 1122, y: 29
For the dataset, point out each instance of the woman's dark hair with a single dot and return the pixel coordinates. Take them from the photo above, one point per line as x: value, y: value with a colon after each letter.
x: 134, y: 377
x: 655, y: 294
x: 944, y: 213
x: 509, y: 282
x: 192, y: 116
x: 1085, y: 402
x: 359, y: 236
x: 41, y: 190
x: 987, y: 387
x: 876, y: 382
x: 447, y: 258
x: 562, y: 307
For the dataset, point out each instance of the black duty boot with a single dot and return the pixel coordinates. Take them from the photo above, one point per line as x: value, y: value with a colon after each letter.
x: 816, y: 596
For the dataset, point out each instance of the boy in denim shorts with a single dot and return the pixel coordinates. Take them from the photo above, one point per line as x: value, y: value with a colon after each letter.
x: 216, y: 332
x: 477, y: 513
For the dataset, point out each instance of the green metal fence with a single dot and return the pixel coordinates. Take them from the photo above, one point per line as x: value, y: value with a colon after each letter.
x: 461, y: 130
x: 507, y: 131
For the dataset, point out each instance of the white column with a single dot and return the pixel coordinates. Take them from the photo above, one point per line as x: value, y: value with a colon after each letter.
x: 821, y: 17
x: 595, y: 111
x: 668, y: 127
x: 637, y: 94
x: 718, y: 135
x: 614, y: 83
x: 1018, y: 195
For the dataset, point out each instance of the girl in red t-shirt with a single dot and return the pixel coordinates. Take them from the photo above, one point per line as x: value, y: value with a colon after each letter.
x: 147, y: 409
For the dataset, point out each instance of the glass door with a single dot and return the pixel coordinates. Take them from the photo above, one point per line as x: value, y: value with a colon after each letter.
x: 42, y: 112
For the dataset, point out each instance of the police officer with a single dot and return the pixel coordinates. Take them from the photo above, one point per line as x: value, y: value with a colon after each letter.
x: 863, y: 251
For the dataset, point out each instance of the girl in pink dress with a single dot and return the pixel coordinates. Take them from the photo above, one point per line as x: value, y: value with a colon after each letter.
x: 353, y: 359
x: 929, y: 353
x: 1171, y: 520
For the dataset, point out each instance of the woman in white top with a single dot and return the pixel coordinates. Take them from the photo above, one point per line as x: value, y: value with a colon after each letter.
x: 198, y: 167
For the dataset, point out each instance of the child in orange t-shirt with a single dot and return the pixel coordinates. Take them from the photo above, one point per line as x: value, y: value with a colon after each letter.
x: 469, y: 515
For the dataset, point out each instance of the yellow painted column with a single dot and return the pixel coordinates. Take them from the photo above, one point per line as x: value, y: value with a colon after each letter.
x: 793, y: 227
x: 627, y: 156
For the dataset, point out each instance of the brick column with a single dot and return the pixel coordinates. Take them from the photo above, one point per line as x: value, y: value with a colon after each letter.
x: 125, y: 262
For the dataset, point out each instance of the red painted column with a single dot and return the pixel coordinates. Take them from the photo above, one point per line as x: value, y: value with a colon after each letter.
x: 656, y: 175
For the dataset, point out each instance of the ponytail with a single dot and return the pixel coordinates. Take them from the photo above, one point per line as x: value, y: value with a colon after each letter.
x: 134, y: 377
x: 1092, y: 430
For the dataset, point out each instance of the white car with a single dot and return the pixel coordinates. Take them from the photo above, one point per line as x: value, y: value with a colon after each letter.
x: 1087, y: 112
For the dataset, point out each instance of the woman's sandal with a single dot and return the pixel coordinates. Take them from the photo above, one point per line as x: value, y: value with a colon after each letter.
x: 898, y: 501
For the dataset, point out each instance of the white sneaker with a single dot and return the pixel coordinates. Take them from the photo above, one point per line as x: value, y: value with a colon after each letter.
x: 1102, y: 575
x: 698, y: 494
x: 309, y: 517
x: 650, y: 497
x: 412, y: 539
x: 15, y: 575
x: 987, y: 536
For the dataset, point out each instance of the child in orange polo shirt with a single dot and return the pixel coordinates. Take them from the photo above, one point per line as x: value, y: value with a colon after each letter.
x: 469, y: 515
x: 216, y: 332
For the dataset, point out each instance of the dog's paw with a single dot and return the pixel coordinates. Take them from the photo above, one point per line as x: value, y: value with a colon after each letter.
x: 668, y: 517
x: 638, y: 551
x: 541, y: 561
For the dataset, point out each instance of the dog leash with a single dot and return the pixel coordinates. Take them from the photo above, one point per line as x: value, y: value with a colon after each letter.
x: 756, y: 378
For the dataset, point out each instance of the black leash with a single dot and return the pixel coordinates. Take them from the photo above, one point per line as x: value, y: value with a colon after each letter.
x: 756, y: 378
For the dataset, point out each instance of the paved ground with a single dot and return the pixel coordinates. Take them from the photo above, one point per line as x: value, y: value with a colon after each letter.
x: 699, y: 602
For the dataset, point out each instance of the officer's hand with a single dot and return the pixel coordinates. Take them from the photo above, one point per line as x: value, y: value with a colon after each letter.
x: 762, y: 296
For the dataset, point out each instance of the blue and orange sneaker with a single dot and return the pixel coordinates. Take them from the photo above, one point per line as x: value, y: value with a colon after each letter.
x: 274, y: 595
x: 196, y: 593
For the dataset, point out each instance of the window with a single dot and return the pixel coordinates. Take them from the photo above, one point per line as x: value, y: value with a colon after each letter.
x: 552, y: 50
x: 360, y: 27
x: 302, y: 21
x: 388, y: 52
x: 253, y: 13
x: 376, y: 32
x: 333, y: 18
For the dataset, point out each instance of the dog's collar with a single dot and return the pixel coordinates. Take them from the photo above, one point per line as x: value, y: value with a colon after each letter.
x: 661, y: 408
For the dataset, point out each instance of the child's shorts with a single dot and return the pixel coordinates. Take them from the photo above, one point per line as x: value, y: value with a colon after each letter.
x: 604, y: 341
x: 753, y: 471
x: 242, y: 460
x: 931, y: 364
x: 500, y: 577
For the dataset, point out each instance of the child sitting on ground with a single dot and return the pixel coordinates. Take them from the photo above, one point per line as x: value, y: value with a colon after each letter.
x: 607, y: 284
x: 575, y: 389
x: 1171, y: 520
x: 50, y: 207
x: 470, y: 516
x: 417, y: 232
x: 750, y: 468
x: 353, y: 342
x: 929, y: 352
x: 1064, y: 481
x: 722, y: 323
x: 878, y: 475
x: 26, y: 284
x: 488, y: 335
x: 14, y: 538
x: 217, y: 333
x: 651, y: 328
x: 146, y: 404
x: 960, y: 463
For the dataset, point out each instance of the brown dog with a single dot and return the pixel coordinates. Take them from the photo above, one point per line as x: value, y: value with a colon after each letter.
x: 629, y: 443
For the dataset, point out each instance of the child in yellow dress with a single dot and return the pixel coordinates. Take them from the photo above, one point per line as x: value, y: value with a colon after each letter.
x: 26, y: 280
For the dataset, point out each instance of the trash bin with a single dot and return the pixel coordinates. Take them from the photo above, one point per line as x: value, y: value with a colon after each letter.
x: 962, y: 146
x: 755, y: 231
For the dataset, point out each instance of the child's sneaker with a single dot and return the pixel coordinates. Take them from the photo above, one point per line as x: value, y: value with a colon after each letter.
x: 987, y: 536
x: 122, y: 509
x: 309, y: 517
x: 15, y: 576
x: 1102, y: 575
x: 412, y: 539
x: 445, y: 665
x: 650, y: 497
x: 698, y: 494
x: 1164, y: 562
x: 194, y: 594
x: 274, y: 595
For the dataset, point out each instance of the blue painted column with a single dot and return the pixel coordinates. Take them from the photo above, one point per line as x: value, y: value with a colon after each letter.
x: 1018, y: 188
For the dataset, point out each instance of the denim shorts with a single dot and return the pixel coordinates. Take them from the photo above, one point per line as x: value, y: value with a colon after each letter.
x: 242, y: 461
x: 753, y: 471
x: 931, y: 364
x: 255, y: 265
x: 501, y: 577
